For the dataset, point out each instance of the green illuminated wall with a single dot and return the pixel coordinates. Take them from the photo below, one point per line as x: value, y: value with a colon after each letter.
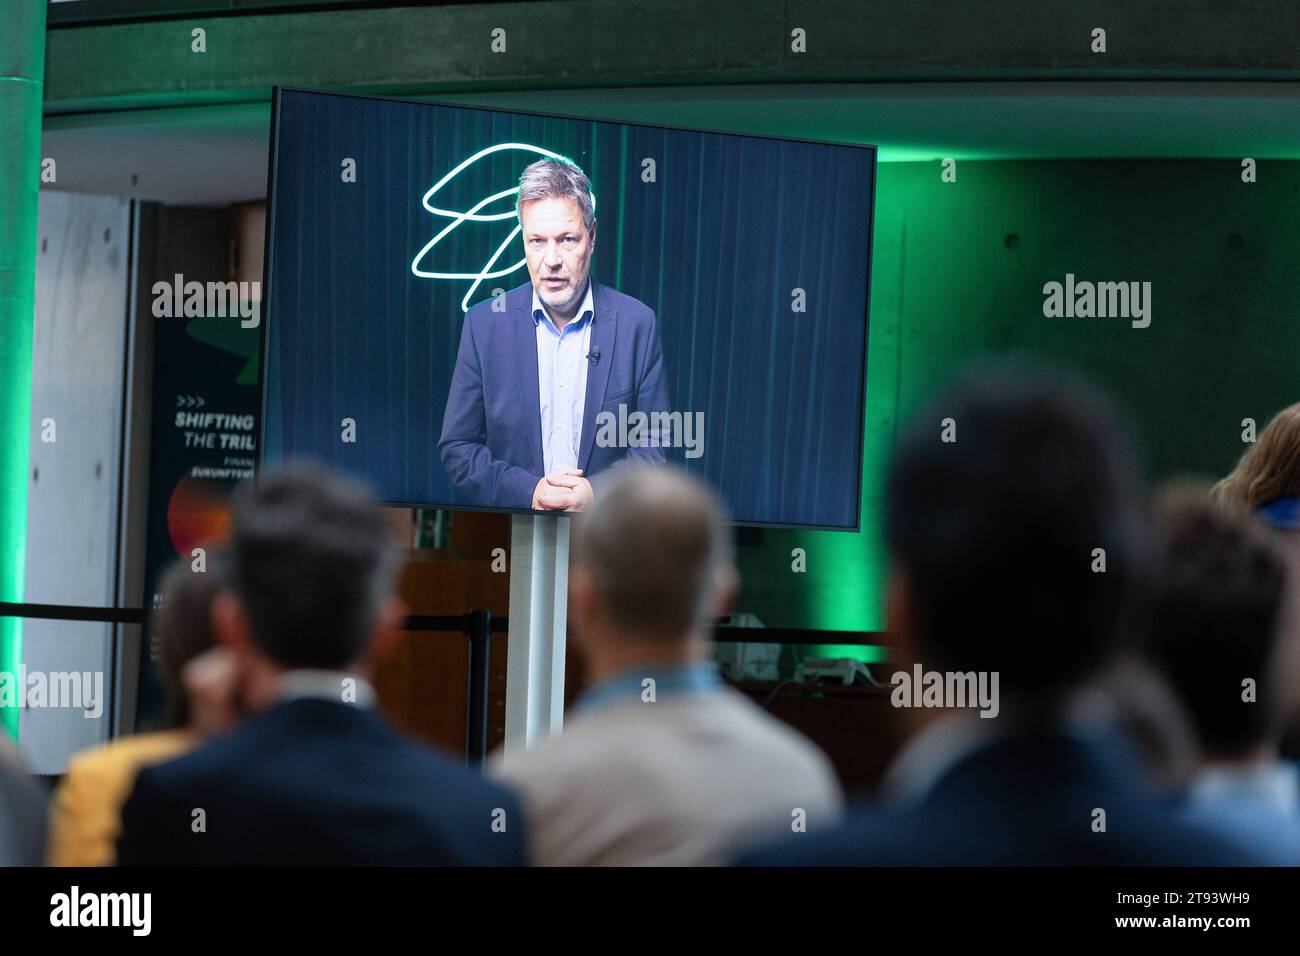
x: 22, y: 67
x: 958, y: 271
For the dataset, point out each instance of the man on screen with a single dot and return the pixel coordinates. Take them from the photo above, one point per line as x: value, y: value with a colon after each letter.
x: 538, y: 364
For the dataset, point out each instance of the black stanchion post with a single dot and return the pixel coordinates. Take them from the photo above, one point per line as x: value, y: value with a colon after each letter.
x: 480, y: 652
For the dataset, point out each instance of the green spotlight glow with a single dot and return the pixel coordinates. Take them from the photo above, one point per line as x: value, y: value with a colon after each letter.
x: 866, y: 653
x: 22, y: 71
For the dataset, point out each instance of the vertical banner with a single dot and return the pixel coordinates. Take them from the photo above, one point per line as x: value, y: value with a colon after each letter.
x: 205, y: 409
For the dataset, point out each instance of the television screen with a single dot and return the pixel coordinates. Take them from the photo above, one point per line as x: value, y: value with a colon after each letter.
x: 474, y: 308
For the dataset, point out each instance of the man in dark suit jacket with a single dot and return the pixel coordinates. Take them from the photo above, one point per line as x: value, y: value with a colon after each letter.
x: 314, y: 776
x: 538, y: 365
x: 1026, y: 799
x: 1019, y: 538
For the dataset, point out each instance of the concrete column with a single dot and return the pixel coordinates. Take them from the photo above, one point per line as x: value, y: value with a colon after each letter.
x: 22, y: 81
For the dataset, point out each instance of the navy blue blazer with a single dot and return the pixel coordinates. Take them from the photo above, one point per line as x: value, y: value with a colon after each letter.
x: 318, y: 783
x: 491, y: 441
x: 1027, y: 800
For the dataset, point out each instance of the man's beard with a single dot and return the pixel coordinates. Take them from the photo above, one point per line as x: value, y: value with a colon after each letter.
x: 569, y: 294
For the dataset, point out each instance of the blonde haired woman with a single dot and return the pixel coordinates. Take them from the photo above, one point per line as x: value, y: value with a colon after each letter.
x: 1267, y: 479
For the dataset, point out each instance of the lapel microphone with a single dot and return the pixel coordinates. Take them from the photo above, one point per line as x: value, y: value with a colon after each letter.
x: 594, y: 356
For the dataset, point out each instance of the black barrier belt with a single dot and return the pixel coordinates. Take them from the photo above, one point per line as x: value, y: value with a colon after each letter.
x: 74, y: 612
x: 797, y: 635
x: 462, y: 623
x: 477, y: 626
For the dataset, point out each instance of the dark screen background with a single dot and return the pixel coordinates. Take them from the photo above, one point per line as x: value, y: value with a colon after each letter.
x: 715, y: 246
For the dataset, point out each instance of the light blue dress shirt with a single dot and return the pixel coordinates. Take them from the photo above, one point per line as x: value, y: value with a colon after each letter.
x: 1257, y: 804
x: 562, y: 381
x: 673, y: 680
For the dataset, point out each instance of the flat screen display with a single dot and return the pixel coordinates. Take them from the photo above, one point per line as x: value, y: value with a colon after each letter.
x: 462, y: 303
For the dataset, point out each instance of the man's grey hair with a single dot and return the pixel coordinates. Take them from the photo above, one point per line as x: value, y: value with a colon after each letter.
x: 557, y: 179
x: 658, y: 550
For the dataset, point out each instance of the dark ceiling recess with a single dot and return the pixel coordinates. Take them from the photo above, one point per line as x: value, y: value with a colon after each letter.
x: 65, y: 13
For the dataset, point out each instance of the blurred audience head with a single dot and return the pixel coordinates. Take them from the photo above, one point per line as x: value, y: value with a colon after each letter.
x: 23, y: 818
x: 1269, y: 470
x: 652, y: 564
x: 183, y: 625
x: 1221, y: 618
x: 1009, y: 493
x: 312, y: 567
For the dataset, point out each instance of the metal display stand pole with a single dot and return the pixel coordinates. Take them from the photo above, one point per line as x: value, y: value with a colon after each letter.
x: 539, y: 599
x: 480, y: 658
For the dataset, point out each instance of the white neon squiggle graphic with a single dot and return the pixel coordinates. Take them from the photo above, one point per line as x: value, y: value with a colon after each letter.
x: 473, y: 215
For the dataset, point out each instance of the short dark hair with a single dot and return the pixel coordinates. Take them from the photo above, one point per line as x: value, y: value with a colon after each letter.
x: 997, y: 529
x: 312, y: 560
x: 1217, y: 618
x: 182, y: 624
x: 657, y: 546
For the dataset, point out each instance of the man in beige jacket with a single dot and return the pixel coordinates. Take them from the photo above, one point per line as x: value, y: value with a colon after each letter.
x: 659, y: 763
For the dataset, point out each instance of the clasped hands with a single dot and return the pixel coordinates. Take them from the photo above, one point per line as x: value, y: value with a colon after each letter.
x: 564, y: 490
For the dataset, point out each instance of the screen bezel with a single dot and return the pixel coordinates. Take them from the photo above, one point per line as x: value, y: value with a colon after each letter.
x: 268, y: 256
